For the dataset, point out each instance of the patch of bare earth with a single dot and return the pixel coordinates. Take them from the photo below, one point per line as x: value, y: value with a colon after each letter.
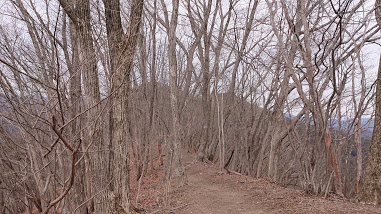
x: 209, y: 191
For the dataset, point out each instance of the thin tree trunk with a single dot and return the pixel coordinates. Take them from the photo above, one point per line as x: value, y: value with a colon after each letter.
x: 179, y: 170
x: 357, y: 136
x: 153, y: 81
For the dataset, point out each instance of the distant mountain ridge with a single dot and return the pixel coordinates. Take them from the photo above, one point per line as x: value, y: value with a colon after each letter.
x: 366, y: 123
x: 368, y: 133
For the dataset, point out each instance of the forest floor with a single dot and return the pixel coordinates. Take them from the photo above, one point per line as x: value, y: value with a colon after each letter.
x: 209, y: 191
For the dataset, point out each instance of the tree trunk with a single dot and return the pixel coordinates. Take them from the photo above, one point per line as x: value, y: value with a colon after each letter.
x: 78, y: 195
x: 358, y: 142
x: 88, y: 67
x: 332, y: 160
x: 371, y: 190
x: 179, y: 170
x: 122, y: 53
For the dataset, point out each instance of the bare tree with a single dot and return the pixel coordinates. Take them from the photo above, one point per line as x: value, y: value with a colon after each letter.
x: 175, y: 159
x: 371, y: 191
x: 275, y: 89
x: 121, y: 52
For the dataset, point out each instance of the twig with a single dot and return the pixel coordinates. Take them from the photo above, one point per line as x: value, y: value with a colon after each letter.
x: 180, y: 207
x: 57, y: 200
x: 328, y: 185
x: 137, y: 194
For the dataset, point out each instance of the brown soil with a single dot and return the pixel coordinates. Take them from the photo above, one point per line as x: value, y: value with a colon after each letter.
x: 209, y: 191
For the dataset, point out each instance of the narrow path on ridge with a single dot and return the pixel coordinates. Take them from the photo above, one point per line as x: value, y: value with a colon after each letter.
x: 210, y: 192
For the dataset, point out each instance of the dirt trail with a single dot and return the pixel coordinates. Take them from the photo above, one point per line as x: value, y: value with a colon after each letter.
x: 210, y: 192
